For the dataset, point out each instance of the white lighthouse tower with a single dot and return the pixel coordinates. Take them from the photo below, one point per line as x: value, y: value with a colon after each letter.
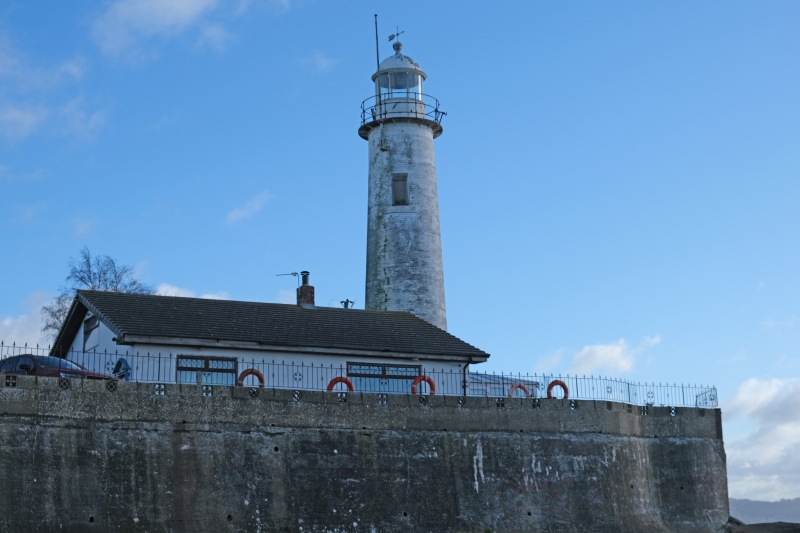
x: 404, y: 246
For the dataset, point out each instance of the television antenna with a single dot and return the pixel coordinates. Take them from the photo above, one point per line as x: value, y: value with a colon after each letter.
x: 291, y: 274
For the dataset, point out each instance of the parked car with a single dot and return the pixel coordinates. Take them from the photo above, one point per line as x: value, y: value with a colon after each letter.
x: 48, y: 366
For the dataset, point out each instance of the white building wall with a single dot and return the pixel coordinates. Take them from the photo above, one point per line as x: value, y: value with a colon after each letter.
x: 404, y: 249
x: 157, y: 364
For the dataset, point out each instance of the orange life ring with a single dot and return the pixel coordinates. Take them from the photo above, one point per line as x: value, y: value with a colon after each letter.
x: 420, y: 379
x: 341, y: 379
x: 516, y: 386
x: 560, y: 384
x: 250, y: 372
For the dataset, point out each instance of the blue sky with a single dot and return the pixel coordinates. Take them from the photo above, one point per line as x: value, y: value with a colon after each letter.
x: 618, y: 181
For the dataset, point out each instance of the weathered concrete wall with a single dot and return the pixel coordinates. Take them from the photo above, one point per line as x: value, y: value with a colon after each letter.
x: 404, y: 246
x: 87, y: 459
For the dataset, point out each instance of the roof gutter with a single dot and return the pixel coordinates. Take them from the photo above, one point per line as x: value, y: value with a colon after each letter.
x: 128, y: 339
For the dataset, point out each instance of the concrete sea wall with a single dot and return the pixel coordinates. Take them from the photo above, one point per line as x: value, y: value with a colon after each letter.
x: 132, y: 460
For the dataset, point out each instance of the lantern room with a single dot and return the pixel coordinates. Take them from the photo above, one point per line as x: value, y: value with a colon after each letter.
x: 398, y: 77
x: 399, y: 96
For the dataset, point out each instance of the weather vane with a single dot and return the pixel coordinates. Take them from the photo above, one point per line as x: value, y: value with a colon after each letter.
x: 396, y: 35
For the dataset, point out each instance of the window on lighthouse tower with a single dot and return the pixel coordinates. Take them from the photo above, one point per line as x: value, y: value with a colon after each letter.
x: 399, y: 189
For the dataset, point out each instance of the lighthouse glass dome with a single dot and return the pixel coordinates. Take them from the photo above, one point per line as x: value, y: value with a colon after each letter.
x: 399, y: 84
x: 398, y: 95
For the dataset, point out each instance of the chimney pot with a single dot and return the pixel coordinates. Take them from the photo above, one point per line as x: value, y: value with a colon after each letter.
x: 305, y: 292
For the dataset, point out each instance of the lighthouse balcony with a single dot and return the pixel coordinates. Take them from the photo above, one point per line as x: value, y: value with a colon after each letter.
x: 410, y: 105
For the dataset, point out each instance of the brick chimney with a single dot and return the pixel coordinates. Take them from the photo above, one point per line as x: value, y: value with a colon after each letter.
x: 305, y: 292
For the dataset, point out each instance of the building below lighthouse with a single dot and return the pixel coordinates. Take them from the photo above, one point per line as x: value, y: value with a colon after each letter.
x: 404, y: 247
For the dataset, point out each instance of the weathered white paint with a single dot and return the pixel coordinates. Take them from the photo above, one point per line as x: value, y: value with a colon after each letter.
x: 534, y: 470
x: 477, y: 465
x: 404, y: 248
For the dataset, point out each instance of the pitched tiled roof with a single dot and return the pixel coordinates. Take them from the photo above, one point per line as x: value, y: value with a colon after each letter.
x: 267, y: 324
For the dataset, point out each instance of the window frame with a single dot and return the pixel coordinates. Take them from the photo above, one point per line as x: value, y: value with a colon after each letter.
x: 383, y: 374
x: 21, y: 360
x: 10, y: 363
x: 398, y: 178
x: 205, y: 368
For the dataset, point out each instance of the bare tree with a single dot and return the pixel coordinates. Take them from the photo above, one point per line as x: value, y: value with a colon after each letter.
x: 99, y: 273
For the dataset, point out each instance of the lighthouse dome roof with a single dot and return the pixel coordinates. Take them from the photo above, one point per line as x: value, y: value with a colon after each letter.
x: 398, y: 60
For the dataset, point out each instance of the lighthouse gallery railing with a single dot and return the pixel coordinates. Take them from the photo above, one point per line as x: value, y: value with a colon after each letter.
x: 415, y: 105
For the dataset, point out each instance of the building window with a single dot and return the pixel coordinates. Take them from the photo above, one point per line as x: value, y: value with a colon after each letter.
x: 371, y: 377
x: 91, y: 333
x: 7, y: 366
x: 399, y: 189
x: 198, y: 370
x: 25, y: 364
x: 369, y: 370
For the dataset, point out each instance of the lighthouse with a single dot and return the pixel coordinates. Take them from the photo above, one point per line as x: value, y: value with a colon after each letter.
x: 404, y: 245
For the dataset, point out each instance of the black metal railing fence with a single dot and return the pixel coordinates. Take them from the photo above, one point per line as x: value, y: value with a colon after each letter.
x: 415, y: 105
x: 150, y: 367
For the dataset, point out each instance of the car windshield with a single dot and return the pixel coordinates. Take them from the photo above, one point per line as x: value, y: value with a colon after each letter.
x: 55, y: 362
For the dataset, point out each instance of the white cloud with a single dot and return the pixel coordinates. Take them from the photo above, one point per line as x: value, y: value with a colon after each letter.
x: 15, y: 68
x: 26, y: 327
x: 222, y: 295
x: 127, y: 27
x: 128, y: 22
x: 78, y: 121
x: 786, y: 361
x: 165, y: 289
x: 320, y: 62
x: 764, y: 464
x: 282, y: 4
x: 83, y: 227
x: 287, y: 297
x: 74, y: 68
x: 18, y: 121
x: 7, y: 175
x: 782, y: 323
x: 250, y: 208
x: 549, y: 362
x: 614, y: 357
x: 215, y: 37
x: 28, y: 213
x: 29, y: 101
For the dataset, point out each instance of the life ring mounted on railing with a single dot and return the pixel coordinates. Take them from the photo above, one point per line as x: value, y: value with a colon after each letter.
x: 520, y: 386
x: 420, y: 379
x: 341, y: 379
x: 557, y: 382
x: 251, y: 372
